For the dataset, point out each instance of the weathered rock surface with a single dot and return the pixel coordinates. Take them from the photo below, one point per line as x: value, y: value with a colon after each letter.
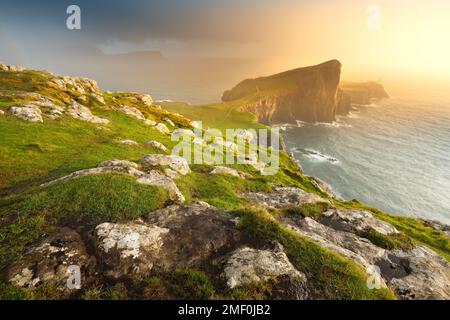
x: 419, y: 274
x: 355, y: 220
x: 155, y: 179
x: 129, y: 248
x: 135, y: 113
x: 175, y: 163
x: 29, y: 113
x: 283, y: 197
x: 129, y: 142
x: 157, y: 145
x: 161, y: 127
x: 322, y: 186
x: 229, y: 171
x: 83, y: 113
x: 246, y: 265
x: 416, y: 274
x: 52, y: 261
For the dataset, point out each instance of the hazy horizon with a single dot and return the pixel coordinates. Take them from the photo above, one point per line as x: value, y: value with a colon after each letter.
x: 208, y: 46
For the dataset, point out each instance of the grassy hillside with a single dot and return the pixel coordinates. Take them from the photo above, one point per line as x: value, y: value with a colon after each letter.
x: 33, y: 153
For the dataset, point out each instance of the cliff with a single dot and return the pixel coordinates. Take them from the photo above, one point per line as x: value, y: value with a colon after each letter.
x: 311, y: 94
x: 308, y: 94
x: 364, y: 93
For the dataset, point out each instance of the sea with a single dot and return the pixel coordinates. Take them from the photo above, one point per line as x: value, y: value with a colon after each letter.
x: 393, y: 154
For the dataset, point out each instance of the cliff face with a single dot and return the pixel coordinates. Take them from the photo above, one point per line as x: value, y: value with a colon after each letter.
x: 308, y: 94
x: 311, y: 94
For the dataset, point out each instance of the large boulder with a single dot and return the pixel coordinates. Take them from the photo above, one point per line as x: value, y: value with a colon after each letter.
x: 53, y: 261
x: 283, y: 197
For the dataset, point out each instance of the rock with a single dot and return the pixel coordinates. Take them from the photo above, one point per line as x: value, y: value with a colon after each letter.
x: 50, y: 263
x: 83, y: 113
x: 129, y: 142
x: 170, y: 122
x: 246, y: 135
x: 438, y: 226
x: 161, y: 127
x: 198, y: 233
x: 29, y: 113
x: 182, y: 133
x: 424, y: 275
x: 3, y: 67
x: 283, y: 197
x: 229, y: 171
x: 157, y: 145
x: 98, y: 97
x: 153, y: 178
x: 132, y: 112
x: 119, y: 163
x: 176, y: 237
x: 78, y: 84
x: 355, y: 221
x: 129, y: 248
x: 347, y: 244
x: 176, y: 163
x: 2, y: 112
x: 322, y: 186
x: 247, y: 265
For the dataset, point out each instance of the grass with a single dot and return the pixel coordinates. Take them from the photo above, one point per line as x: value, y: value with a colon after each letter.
x: 331, y: 276
x: 308, y: 210
x: 81, y: 204
x: 390, y: 242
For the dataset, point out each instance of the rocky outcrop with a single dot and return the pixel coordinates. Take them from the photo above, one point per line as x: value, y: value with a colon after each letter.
x: 135, y: 113
x: 176, y: 163
x: 418, y: 273
x: 283, y: 197
x: 52, y: 262
x: 29, y: 113
x: 83, y: 113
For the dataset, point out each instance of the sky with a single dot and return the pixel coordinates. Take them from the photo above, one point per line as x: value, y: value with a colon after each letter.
x: 412, y: 39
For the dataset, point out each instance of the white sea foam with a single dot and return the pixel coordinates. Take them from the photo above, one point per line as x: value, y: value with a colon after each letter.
x: 315, y: 155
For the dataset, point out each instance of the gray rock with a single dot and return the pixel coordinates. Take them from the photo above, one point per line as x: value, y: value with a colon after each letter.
x: 119, y: 163
x: 29, y: 113
x: 355, y: 220
x: 247, y: 265
x: 157, y: 145
x: 128, y: 248
x: 283, y: 197
x: 128, y: 142
x: 175, y: 163
x: 161, y: 127
x: 83, y: 113
x: 322, y: 186
x: 153, y: 178
x: 50, y: 262
x: 229, y: 171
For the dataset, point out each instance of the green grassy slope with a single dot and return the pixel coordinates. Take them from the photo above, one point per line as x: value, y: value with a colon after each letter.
x: 32, y: 153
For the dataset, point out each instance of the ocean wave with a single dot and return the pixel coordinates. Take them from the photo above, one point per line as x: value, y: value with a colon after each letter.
x: 315, y: 155
x: 334, y: 124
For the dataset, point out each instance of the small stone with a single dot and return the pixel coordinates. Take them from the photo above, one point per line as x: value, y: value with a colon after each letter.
x: 29, y: 113
x: 157, y: 145
x: 161, y: 127
x: 176, y: 163
x: 128, y: 142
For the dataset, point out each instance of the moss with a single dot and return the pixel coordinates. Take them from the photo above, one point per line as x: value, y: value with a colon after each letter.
x: 310, y: 210
x: 331, y: 276
x: 253, y: 291
x: 390, y: 242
